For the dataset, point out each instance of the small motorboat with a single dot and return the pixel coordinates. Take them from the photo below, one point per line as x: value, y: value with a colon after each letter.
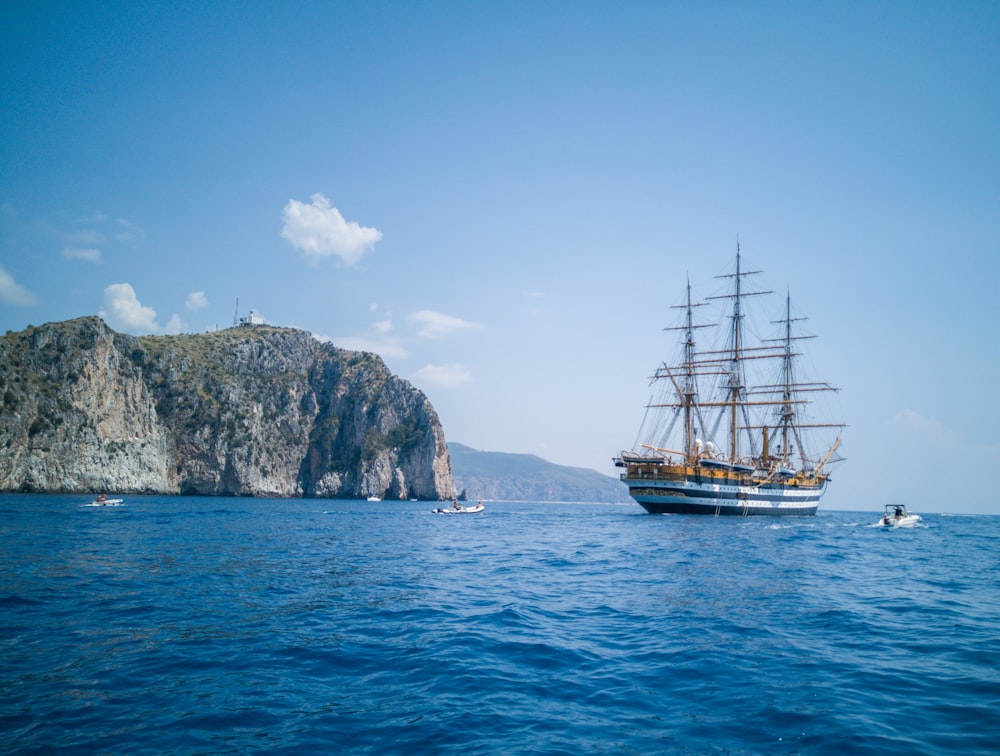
x: 896, y: 516
x: 374, y: 498
x: 102, y: 500
x: 456, y: 509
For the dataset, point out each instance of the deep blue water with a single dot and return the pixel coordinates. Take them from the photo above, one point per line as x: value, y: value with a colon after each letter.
x: 214, y: 625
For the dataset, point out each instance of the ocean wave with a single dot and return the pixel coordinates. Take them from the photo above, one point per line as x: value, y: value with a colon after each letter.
x: 534, y: 628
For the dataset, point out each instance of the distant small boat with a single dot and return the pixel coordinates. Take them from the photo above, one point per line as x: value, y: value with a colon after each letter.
x: 896, y: 516
x: 102, y: 500
x: 374, y: 498
x: 459, y: 510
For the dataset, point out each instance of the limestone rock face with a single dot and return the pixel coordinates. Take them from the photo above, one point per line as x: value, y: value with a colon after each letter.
x: 256, y: 411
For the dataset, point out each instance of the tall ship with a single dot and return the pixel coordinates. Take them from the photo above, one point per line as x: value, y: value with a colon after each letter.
x: 728, y: 430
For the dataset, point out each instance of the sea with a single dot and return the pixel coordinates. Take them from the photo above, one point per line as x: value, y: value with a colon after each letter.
x: 182, y: 625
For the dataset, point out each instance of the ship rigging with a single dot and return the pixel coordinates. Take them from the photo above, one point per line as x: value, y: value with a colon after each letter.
x: 744, y: 445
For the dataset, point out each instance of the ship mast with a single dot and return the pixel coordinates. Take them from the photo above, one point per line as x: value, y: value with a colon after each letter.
x: 684, y: 379
x: 688, y: 392
x: 736, y: 381
x: 790, y: 389
x: 787, y: 411
x: 736, y: 386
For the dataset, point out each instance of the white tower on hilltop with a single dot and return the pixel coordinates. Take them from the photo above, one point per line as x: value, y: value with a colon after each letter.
x: 253, y: 319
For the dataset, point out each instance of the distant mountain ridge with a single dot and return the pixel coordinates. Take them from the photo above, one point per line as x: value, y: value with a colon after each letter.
x: 502, y: 476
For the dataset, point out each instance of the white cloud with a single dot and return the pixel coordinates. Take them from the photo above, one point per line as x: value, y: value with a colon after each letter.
x: 12, y: 293
x: 86, y: 237
x: 95, y: 217
x: 196, y: 300
x: 87, y: 254
x: 129, y: 233
x: 123, y: 311
x: 432, y: 324
x: 381, y: 347
x: 444, y: 375
x: 174, y: 325
x: 319, y: 230
x: 377, y: 338
x: 380, y: 338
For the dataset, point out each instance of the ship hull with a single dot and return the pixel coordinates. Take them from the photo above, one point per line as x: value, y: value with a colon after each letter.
x: 690, y: 497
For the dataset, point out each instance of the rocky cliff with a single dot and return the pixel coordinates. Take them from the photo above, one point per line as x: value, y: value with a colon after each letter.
x: 256, y: 411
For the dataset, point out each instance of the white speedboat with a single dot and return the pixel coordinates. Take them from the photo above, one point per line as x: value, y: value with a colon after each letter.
x: 374, y: 498
x: 456, y: 509
x: 896, y: 516
x: 104, y: 501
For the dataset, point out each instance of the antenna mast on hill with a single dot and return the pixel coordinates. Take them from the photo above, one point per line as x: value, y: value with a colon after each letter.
x: 236, y: 316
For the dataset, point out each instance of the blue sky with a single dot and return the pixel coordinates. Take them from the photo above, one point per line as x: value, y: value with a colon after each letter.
x: 503, y: 199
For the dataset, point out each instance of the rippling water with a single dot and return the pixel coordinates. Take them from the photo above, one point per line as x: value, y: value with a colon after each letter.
x: 209, y: 625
